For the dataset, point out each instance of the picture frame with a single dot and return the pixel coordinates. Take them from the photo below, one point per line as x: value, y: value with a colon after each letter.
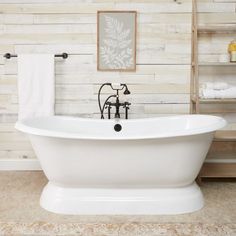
x: 116, y: 40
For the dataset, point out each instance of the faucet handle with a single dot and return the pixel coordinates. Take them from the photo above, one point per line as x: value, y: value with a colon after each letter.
x: 126, y: 105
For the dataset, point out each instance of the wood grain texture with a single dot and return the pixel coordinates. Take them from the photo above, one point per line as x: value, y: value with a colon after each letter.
x: 160, y: 86
x: 215, y: 170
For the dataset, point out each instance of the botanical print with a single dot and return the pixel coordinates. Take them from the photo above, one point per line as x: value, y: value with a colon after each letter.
x: 116, y: 48
x: 116, y: 52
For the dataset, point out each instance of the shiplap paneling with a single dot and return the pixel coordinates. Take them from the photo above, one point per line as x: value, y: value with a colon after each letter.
x: 160, y: 86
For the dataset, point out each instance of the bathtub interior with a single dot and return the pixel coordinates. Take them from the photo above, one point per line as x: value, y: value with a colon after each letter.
x: 71, y: 127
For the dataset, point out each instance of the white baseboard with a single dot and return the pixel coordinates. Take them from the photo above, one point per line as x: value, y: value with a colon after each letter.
x: 17, y: 165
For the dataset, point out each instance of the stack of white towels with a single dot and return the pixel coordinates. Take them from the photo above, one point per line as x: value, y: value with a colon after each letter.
x: 220, y: 90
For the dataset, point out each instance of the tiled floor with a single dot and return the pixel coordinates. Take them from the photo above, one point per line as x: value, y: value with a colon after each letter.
x: 20, y: 214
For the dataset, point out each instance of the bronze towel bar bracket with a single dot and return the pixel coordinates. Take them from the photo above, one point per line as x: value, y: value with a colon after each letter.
x: 9, y: 55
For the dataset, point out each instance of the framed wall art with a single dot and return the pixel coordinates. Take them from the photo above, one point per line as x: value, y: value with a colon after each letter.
x: 116, y: 40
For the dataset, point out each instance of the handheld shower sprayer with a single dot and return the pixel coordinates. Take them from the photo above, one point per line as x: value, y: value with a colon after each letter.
x: 119, y: 87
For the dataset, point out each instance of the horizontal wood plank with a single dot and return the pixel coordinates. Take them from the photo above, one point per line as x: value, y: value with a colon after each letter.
x: 160, y: 85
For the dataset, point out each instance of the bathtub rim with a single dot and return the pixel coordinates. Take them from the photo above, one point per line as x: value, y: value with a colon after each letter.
x: 21, y: 126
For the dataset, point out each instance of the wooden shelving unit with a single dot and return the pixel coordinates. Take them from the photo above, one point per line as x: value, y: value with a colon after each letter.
x: 217, y: 169
x: 209, y: 101
x: 216, y: 29
x: 222, y: 135
x: 196, y: 100
x: 217, y: 64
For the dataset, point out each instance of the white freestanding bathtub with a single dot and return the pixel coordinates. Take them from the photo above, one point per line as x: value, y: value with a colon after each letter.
x: 149, y: 167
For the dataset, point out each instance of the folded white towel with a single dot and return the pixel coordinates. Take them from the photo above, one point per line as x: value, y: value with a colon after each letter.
x: 207, y: 93
x: 36, y: 85
x: 212, y: 93
x: 229, y: 93
x: 215, y: 85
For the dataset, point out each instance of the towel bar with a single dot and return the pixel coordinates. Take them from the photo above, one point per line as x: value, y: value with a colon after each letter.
x: 9, y: 55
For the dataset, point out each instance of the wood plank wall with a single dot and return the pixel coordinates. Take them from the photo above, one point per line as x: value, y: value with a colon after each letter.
x: 160, y: 85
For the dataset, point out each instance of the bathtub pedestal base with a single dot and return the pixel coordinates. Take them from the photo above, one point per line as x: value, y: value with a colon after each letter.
x: 129, y: 201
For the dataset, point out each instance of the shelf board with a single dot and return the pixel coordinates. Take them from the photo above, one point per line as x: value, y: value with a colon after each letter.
x: 226, y: 100
x: 217, y: 64
x: 217, y: 157
x: 225, y: 135
x: 218, y: 170
x: 217, y: 29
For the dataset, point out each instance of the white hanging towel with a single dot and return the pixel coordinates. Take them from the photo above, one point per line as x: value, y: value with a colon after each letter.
x: 36, y: 85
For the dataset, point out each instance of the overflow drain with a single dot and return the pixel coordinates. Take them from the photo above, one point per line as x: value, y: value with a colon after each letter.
x: 117, y: 127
